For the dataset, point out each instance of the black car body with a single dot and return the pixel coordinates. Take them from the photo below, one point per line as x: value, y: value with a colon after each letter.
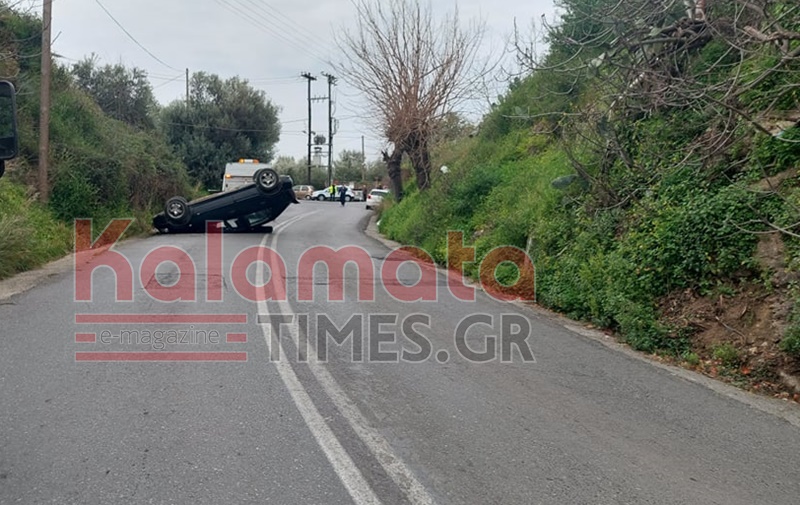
x: 247, y: 208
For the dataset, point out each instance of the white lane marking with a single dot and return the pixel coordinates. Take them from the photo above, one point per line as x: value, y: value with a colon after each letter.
x: 290, y: 221
x: 342, y: 464
x: 380, y: 448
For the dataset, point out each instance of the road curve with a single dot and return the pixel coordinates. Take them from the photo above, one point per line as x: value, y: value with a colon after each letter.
x: 284, y: 393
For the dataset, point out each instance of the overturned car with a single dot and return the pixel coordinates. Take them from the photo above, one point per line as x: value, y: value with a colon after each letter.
x: 247, y: 208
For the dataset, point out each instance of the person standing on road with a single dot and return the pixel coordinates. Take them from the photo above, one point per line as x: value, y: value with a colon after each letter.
x: 342, y: 194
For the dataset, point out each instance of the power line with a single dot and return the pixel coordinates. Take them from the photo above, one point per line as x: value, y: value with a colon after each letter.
x: 288, y: 79
x: 168, y: 79
x: 288, y: 34
x: 285, y: 37
x: 220, y: 128
x: 179, y: 76
x: 133, y: 38
x: 288, y: 20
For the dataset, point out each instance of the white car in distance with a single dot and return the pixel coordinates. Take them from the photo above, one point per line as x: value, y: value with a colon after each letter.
x: 325, y: 194
x: 375, y: 197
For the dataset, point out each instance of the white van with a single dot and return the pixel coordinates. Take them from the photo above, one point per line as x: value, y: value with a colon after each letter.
x: 241, y: 173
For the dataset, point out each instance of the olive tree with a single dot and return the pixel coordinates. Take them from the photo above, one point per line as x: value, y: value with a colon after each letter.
x: 225, y: 120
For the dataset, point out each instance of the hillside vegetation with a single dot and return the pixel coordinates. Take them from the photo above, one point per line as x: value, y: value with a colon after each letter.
x: 101, y: 167
x: 648, y: 164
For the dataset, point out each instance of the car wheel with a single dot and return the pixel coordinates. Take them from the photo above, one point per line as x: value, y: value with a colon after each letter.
x: 177, y: 211
x: 349, y: 198
x: 266, y: 179
x: 308, y: 197
x: 367, y: 207
x: 320, y: 197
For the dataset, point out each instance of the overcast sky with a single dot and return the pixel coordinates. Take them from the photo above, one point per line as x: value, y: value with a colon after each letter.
x: 268, y: 43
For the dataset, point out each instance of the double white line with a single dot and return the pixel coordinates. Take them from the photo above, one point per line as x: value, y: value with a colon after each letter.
x: 343, y: 465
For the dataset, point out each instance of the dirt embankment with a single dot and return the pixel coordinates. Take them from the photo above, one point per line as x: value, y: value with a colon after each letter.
x: 735, y: 331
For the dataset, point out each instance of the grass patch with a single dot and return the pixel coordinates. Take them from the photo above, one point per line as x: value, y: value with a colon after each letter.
x: 31, y: 235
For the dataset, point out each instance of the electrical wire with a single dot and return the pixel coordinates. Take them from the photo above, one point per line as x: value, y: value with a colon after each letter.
x: 179, y: 76
x: 133, y: 38
x: 289, y: 21
x: 220, y: 128
x: 237, y: 9
x: 287, y: 33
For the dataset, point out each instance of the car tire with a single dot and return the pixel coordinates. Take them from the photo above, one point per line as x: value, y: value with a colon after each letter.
x: 349, y: 198
x: 267, y: 180
x: 320, y: 198
x: 177, y: 212
x: 368, y: 208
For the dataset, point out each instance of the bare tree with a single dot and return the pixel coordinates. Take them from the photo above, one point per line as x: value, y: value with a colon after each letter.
x: 412, y: 71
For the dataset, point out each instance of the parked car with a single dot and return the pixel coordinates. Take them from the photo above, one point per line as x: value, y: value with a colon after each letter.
x: 375, y: 197
x: 247, y: 208
x: 303, y: 191
x: 325, y: 194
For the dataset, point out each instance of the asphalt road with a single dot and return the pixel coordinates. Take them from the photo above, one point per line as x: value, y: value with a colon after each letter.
x: 231, y: 398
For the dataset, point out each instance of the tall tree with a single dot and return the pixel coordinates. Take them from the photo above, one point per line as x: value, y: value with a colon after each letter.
x: 225, y: 120
x: 122, y: 93
x: 412, y: 70
x: 349, y: 166
x: 297, y: 170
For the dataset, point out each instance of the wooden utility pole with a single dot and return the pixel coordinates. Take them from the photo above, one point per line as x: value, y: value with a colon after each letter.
x: 187, y: 87
x: 363, y: 162
x: 310, y: 78
x: 331, y: 82
x: 44, y: 104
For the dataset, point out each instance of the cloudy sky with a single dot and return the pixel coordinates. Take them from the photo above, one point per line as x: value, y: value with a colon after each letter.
x: 267, y: 42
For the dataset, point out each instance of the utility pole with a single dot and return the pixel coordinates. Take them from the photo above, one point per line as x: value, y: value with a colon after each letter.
x: 44, y: 106
x: 187, y: 87
x: 331, y: 83
x: 363, y: 162
x: 310, y: 78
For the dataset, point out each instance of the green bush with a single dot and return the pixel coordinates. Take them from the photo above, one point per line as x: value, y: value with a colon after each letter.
x: 691, y: 358
x: 73, y: 196
x: 790, y: 343
x: 727, y: 354
x: 691, y: 240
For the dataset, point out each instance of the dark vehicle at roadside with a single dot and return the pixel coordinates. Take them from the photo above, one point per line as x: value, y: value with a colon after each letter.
x: 9, y: 142
x: 247, y: 208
